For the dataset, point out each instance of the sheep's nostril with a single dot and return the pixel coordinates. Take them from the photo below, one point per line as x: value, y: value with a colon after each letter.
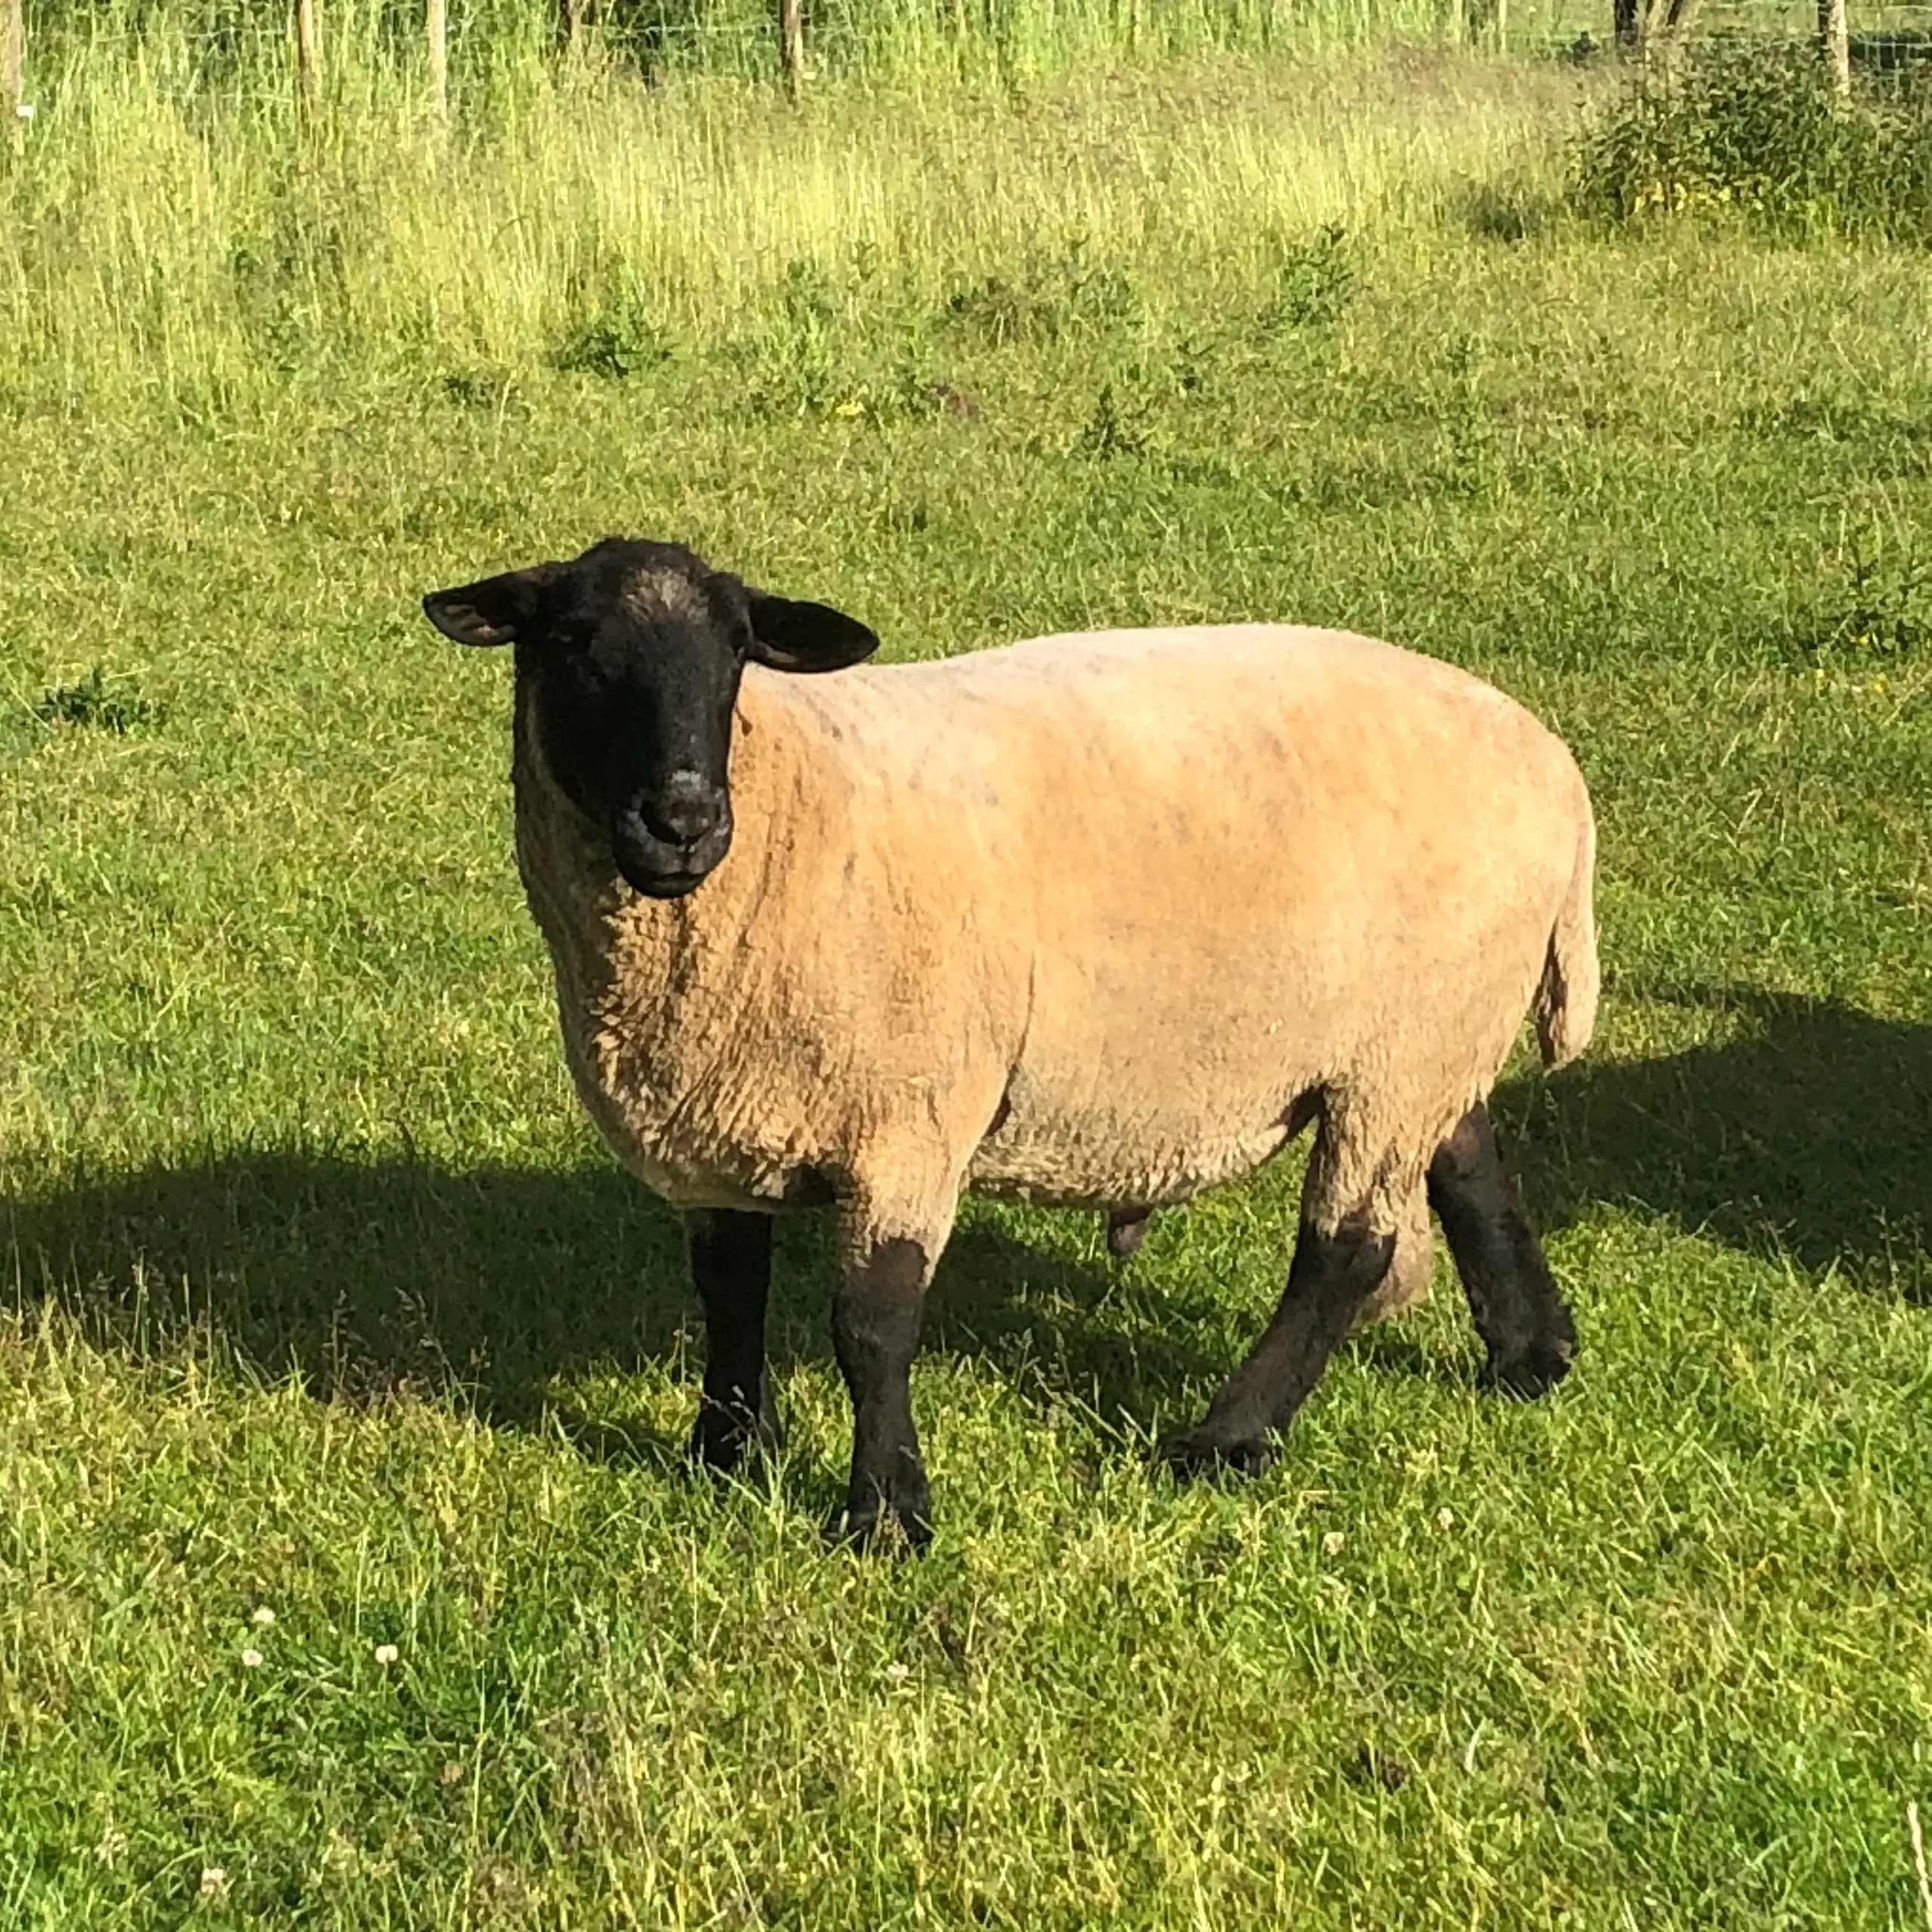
x: 680, y: 828
x: 684, y: 811
x: 683, y: 824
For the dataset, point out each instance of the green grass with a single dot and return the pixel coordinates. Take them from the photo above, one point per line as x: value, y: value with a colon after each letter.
x: 322, y: 1298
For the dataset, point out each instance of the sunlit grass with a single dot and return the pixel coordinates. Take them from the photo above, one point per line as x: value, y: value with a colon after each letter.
x: 145, y: 250
x: 320, y: 1297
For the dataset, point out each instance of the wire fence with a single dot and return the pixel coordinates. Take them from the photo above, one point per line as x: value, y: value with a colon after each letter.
x: 294, y: 50
x: 1882, y: 35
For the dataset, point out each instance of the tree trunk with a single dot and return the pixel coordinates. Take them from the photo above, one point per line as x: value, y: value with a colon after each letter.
x: 308, y: 49
x: 1835, y: 44
x: 792, y: 45
x: 436, y: 30
x: 13, y: 67
x: 1660, y: 28
x: 1683, y: 18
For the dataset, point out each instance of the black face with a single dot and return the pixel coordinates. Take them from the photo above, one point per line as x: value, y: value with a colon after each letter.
x: 632, y: 656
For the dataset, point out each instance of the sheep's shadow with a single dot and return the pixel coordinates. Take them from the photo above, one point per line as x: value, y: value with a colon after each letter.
x: 366, y: 1278
x: 1806, y: 1135
x: 514, y: 1285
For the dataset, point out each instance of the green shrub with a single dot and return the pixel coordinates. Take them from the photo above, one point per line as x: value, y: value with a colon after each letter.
x: 1758, y: 128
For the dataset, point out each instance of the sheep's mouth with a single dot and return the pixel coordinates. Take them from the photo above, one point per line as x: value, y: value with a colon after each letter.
x: 659, y: 869
x: 662, y: 884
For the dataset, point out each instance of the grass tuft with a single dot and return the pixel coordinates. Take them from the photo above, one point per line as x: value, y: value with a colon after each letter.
x: 94, y: 704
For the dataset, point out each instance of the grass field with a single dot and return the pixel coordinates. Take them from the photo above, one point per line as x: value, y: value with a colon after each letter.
x: 350, y: 1575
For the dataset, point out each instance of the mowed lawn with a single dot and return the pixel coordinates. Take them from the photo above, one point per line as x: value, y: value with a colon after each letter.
x: 350, y: 1575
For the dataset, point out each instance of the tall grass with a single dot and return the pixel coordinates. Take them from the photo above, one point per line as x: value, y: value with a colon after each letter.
x: 231, y: 44
x: 200, y: 241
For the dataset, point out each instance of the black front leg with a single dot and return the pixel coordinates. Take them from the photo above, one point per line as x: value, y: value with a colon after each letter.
x: 730, y: 1256
x: 875, y: 1332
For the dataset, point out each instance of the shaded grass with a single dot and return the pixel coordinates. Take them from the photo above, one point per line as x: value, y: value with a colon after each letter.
x: 323, y: 1299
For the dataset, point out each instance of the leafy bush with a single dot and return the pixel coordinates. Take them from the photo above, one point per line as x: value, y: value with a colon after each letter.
x: 1883, y: 608
x: 615, y: 332
x: 1756, y: 127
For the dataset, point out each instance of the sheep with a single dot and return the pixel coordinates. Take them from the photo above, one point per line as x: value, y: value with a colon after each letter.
x: 1100, y: 919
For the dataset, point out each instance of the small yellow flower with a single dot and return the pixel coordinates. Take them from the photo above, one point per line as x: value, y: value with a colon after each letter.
x: 386, y: 1654
x: 263, y: 1617
x: 896, y: 1673
x: 1331, y: 1544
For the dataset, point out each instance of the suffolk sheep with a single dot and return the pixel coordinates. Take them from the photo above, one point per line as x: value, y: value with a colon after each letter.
x: 1100, y: 919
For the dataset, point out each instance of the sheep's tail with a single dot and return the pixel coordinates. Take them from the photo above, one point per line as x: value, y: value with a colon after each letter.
x: 1566, y: 1003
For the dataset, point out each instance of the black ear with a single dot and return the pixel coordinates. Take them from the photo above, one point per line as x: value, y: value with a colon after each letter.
x: 790, y: 636
x: 494, y: 611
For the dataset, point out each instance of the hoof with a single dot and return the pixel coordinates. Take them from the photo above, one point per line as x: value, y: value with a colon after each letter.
x: 878, y: 1517
x: 882, y: 1529
x: 725, y: 1430
x: 1531, y: 1372
x: 1196, y: 1453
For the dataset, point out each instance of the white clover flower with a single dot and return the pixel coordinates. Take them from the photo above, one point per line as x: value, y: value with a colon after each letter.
x: 386, y: 1654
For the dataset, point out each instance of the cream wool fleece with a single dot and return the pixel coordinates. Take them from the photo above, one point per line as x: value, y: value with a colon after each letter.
x: 1095, y: 919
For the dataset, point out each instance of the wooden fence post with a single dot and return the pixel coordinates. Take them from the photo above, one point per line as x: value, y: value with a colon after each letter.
x: 308, y: 49
x: 436, y: 27
x: 1835, y: 44
x: 12, y: 65
x: 792, y: 45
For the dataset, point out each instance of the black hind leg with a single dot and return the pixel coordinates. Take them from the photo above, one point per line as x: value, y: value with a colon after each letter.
x: 1518, y: 1314
x: 1331, y: 1276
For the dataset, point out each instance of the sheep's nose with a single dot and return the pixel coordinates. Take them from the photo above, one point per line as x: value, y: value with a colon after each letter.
x: 686, y: 807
